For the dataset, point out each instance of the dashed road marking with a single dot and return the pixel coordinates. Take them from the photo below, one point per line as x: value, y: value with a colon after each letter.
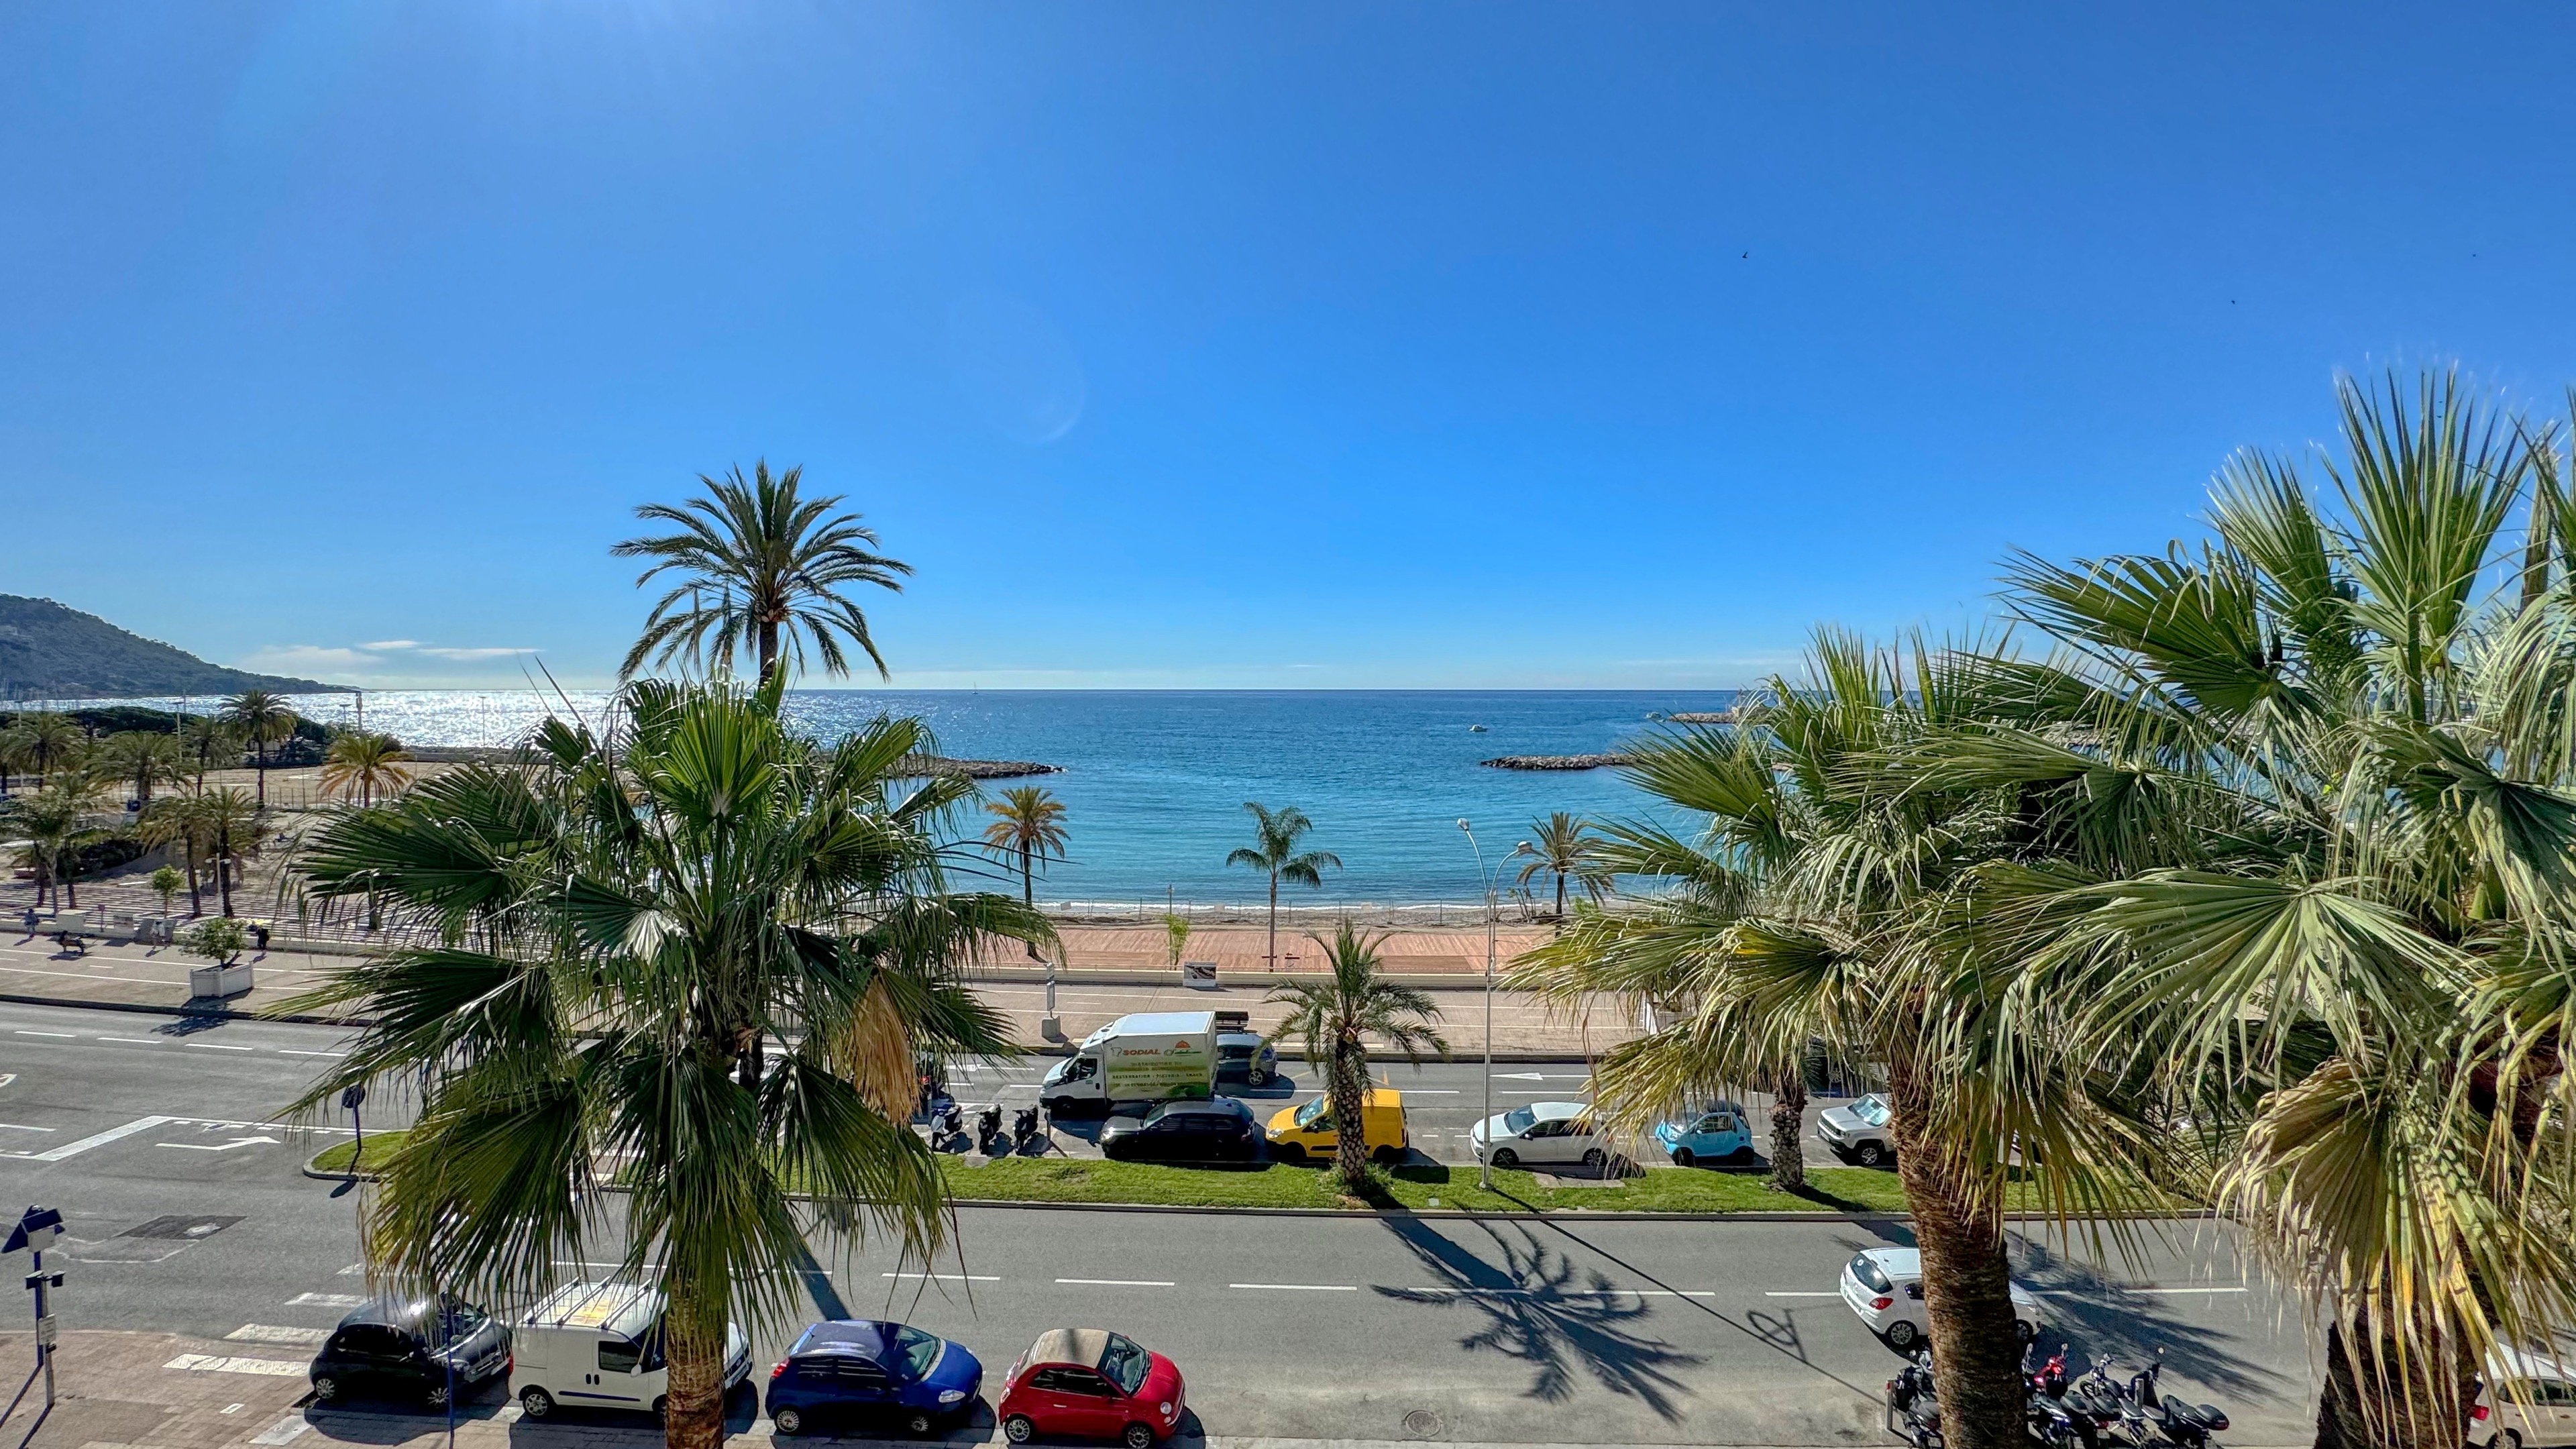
x: 325, y: 1300
x: 215, y: 1363
x: 23, y: 1127
x: 279, y: 1333
x: 1300, y: 1287
x: 291, y: 1052
x: 67, y: 1035
x: 132, y: 1041
x: 1119, y: 1282
x: 947, y: 1277
x: 1819, y: 1294
x: 214, y: 1046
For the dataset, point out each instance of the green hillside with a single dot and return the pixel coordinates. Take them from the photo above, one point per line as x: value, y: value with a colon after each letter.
x: 50, y: 652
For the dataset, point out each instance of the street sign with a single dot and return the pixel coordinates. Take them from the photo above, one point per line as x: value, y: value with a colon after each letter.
x: 45, y: 1330
x: 37, y: 1229
x: 1199, y: 975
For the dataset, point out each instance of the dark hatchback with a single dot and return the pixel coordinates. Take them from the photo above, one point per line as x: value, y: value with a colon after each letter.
x: 415, y: 1349
x: 856, y: 1370
x: 1217, y: 1130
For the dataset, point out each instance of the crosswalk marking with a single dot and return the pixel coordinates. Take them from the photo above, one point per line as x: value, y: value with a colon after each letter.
x: 279, y: 1333
x: 325, y: 1300
x: 215, y: 1363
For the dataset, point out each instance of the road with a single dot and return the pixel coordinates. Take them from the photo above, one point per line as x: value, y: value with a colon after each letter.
x: 188, y: 1215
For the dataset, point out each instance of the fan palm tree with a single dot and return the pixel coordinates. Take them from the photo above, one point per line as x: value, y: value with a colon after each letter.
x: 143, y: 758
x: 262, y: 719
x: 625, y: 917
x: 17, y: 754
x: 2359, y: 951
x: 1334, y: 1019
x: 1028, y: 821
x: 204, y: 737
x: 56, y: 821
x: 1562, y: 845
x: 180, y: 824
x: 234, y: 823
x: 363, y: 764
x: 48, y: 742
x: 1275, y: 854
x: 776, y: 565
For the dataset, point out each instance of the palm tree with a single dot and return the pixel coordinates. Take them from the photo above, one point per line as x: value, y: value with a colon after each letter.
x: 1562, y: 845
x: 48, y: 742
x: 204, y: 737
x: 1275, y: 854
x: 234, y: 823
x: 623, y: 918
x: 362, y: 764
x: 776, y: 564
x: 180, y: 822
x: 1335, y: 1017
x: 1027, y: 821
x: 144, y: 758
x: 55, y: 820
x: 17, y: 754
x: 263, y: 719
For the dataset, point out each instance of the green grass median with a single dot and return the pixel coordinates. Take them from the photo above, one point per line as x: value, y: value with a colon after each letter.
x: 1412, y: 1187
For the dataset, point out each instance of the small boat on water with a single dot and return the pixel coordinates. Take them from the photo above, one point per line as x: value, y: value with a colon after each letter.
x: 1475, y: 729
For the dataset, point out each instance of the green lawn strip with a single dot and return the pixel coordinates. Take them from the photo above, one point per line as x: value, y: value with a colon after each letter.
x: 380, y: 1145
x: 1075, y: 1180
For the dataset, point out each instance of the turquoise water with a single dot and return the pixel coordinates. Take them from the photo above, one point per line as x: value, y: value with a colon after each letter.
x: 1154, y: 780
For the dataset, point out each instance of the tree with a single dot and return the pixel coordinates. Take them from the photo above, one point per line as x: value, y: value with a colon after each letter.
x: 624, y: 916
x: 363, y: 764
x: 143, y: 758
x: 165, y: 882
x: 1176, y: 936
x: 1028, y: 822
x: 1275, y: 854
x: 204, y: 737
x: 17, y: 754
x: 1336, y: 1017
x: 262, y: 719
x: 1562, y: 845
x: 776, y: 565
x: 234, y: 823
x: 182, y: 823
x: 55, y: 823
x: 46, y: 743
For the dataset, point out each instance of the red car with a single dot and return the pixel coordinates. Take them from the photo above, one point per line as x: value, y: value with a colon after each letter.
x: 1092, y: 1383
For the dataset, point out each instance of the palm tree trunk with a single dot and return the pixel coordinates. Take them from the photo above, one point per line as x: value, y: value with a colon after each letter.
x: 1788, y: 1135
x: 224, y: 871
x: 1350, y: 1134
x: 260, y: 755
x: 1274, y: 920
x: 1967, y: 1294
x: 1560, y: 895
x: 694, y: 1345
x: 71, y: 891
x: 1028, y: 893
x: 768, y: 648
x: 196, y: 903
x: 2363, y: 1406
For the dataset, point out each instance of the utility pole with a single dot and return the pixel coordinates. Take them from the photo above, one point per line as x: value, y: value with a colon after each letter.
x: 36, y: 1232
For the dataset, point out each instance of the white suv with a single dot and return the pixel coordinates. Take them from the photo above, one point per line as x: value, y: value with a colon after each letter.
x: 1542, y: 1133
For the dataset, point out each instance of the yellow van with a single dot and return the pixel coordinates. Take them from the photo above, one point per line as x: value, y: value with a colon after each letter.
x: 1298, y: 1133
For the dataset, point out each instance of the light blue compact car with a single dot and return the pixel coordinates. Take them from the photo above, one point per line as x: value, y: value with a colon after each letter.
x: 1713, y: 1134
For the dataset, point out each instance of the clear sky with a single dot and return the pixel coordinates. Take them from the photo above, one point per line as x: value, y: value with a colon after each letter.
x: 1486, y: 344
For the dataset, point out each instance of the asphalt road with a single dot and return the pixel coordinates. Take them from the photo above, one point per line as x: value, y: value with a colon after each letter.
x: 159, y: 1141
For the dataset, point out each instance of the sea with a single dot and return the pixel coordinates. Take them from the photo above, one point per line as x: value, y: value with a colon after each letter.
x: 1154, y: 781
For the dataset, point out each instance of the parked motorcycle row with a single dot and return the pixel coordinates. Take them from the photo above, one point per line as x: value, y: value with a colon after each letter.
x: 2083, y: 1413
x: 947, y: 1118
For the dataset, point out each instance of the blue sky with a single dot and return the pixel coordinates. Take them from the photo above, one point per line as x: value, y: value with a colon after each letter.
x: 1485, y: 344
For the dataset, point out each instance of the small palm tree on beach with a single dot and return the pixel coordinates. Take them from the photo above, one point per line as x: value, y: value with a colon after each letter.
x: 1028, y: 821
x: 1563, y: 845
x: 762, y: 569
x: 54, y: 821
x: 263, y: 719
x: 363, y: 764
x: 1275, y: 854
x: 204, y: 738
x: 1334, y: 1019
x: 145, y: 758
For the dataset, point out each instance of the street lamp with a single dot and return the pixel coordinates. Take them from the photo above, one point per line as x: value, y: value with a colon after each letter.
x: 1485, y: 1161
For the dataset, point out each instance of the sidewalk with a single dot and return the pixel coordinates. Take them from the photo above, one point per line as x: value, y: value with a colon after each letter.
x: 156, y: 978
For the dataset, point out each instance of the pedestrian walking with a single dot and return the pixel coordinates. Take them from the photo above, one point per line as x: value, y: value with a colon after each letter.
x: 259, y: 938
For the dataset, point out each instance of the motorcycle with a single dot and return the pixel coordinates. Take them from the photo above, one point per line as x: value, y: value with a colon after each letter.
x: 1025, y: 1130
x: 2189, y: 1425
x: 1913, y: 1410
x: 947, y: 1125
x: 2100, y: 1399
x: 988, y: 1132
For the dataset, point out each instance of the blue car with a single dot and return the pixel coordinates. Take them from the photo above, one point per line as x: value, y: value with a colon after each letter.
x: 853, y: 1369
x: 1715, y: 1132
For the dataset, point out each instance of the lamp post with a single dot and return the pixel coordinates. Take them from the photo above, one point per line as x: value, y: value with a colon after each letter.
x: 1485, y: 1160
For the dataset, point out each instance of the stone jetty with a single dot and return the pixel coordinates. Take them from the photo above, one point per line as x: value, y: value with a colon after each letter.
x: 1554, y: 762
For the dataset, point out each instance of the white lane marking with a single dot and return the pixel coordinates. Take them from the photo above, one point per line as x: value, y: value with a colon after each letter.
x: 325, y: 1300
x: 947, y: 1277
x: 1300, y: 1287
x: 2122, y: 1288
x: 97, y: 1139
x: 214, y: 1046
x: 1802, y: 1295
x: 132, y: 1040
x: 225, y: 1147
x: 291, y: 1052
x: 67, y: 1035
x: 1119, y: 1282
x: 280, y: 1333
x: 23, y: 1127
x: 284, y: 1430
x: 2182, y: 1290
x: 214, y: 1363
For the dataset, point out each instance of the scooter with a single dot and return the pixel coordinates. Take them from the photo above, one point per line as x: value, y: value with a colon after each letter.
x: 1913, y: 1410
x: 947, y: 1125
x: 988, y: 1132
x: 1025, y: 1130
x: 2189, y: 1425
x: 2099, y: 1398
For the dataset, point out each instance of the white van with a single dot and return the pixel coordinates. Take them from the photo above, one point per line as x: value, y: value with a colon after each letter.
x: 1147, y: 1056
x: 599, y: 1346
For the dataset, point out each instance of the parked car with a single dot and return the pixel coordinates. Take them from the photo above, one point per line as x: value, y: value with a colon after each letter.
x: 418, y: 1349
x: 1217, y: 1130
x: 1091, y: 1383
x: 857, y: 1370
x: 1885, y: 1287
x: 2539, y: 1412
x: 1243, y: 1052
x: 599, y: 1346
x: 1297, y: 1133
x: 1542, y: 1133
x: 1712, y: 1134
x: 1858, y: 1131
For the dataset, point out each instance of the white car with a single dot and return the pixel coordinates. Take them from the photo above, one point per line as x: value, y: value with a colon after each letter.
x: 1858, y: 1131
x: 1542, y: 1134
x: 2540, y: 1412
x: 1885, y: 1287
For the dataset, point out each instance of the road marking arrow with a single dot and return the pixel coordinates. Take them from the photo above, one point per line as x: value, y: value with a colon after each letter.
x: 226, y: 1147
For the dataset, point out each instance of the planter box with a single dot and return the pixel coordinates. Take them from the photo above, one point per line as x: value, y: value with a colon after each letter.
x: 219, y: 981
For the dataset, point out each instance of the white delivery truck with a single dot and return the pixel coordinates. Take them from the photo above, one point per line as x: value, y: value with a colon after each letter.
x: 1150, y: 1056
x: 599, y: 1346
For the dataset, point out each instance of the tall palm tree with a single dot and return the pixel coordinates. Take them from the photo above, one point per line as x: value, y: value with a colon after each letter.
x: 362, y: 764
x: 56, y: 820
x: 1334, y: 1019
x: 205, y: 737
x: 1028, y: 821
x: 49, y: 742
x: 2359, y: 949
x: 179, y: 823
x: 143, y: 758
x: 624, y: 917
x: 262, y: 719
x: 762, y: 569
x: 17, y: 754
x: 235, y: 823
x: 1274, y: 853
x: 1562, y: 845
